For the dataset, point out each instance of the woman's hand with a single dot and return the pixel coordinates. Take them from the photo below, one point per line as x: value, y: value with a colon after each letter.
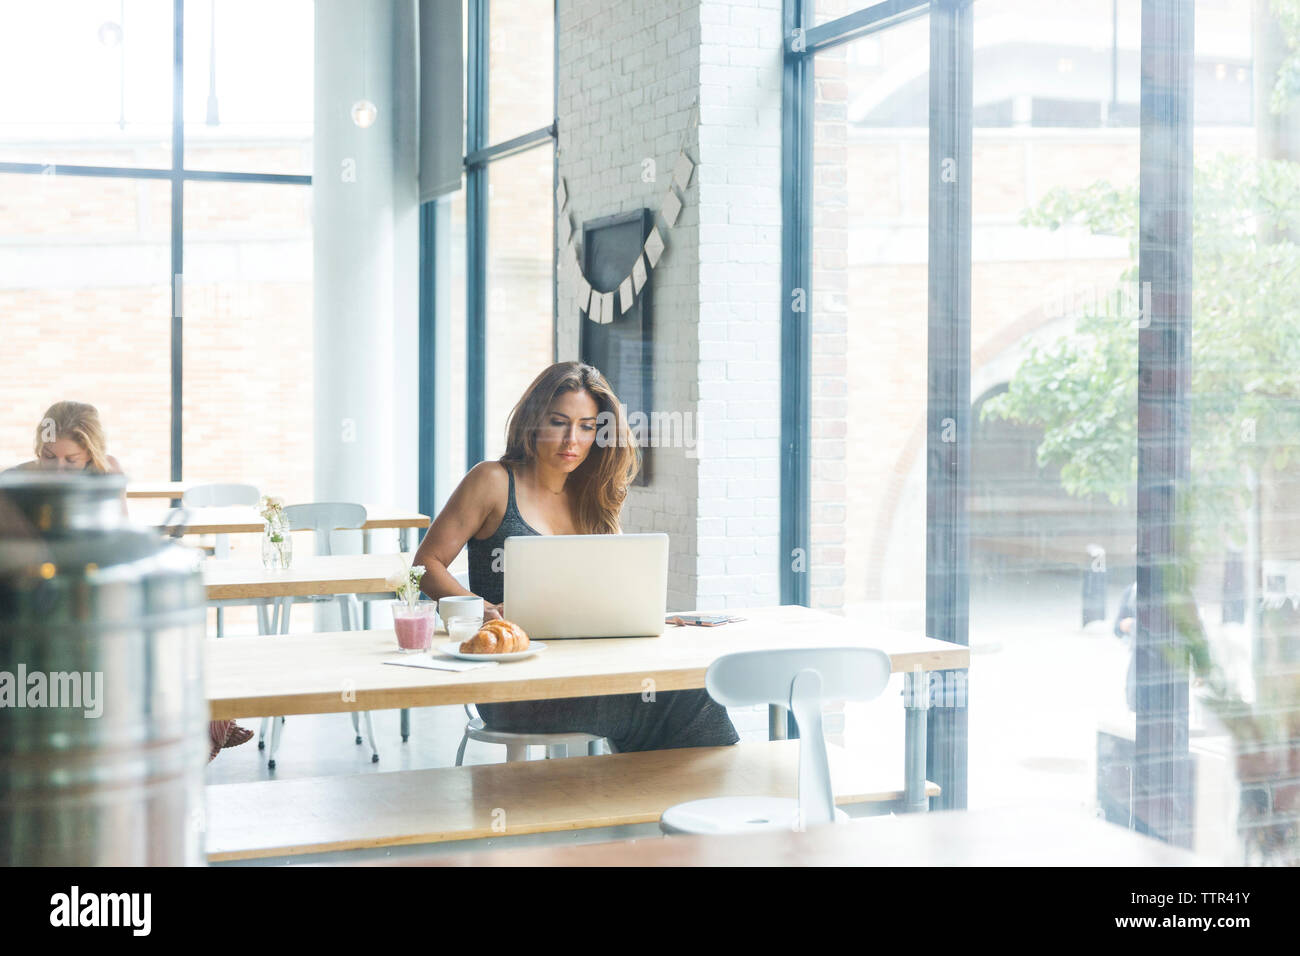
x: 493, y: 612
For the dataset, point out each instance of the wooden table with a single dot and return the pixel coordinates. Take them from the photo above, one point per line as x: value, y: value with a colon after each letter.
x: 254, y: 677
x: 1004, y: 837
x: 173, y: 490
x: 240, y: 520
x: 236, y: 581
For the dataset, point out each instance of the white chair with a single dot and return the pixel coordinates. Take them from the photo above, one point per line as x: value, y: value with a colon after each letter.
x: 557, y: 745
x: 800, y: 679
x: 220, y: 495
x: 323, y: 518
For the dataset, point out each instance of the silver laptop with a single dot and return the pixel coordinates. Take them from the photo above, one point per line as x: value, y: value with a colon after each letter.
x: 587, y: 585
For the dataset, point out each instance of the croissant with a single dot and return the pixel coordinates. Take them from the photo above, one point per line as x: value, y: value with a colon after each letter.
x: 497, y: 637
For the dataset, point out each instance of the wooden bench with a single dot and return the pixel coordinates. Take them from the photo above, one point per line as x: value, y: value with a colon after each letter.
x: 249, y: 821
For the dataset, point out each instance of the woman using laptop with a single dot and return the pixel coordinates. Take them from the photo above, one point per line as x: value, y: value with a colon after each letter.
x: 557, y: 478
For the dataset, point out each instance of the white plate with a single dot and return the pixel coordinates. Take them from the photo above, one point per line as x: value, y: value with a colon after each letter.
x: 453, y: 650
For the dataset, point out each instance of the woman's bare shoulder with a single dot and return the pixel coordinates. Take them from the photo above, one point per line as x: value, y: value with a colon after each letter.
x: 483, y: 490
x: 114, y: 466
x: 487, y: 478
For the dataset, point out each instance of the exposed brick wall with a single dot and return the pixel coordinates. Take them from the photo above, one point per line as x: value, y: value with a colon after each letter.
x: 628, y: 81
x: 740, y: 303
x: 629, y: 77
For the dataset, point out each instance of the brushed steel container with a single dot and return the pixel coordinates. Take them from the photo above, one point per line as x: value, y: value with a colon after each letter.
x: 106, y: 767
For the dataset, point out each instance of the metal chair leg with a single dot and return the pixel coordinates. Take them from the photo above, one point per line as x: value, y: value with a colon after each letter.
x: 285, y: 605
x: 356, y: 724
x: 594, y: 748
x: 275, y: 741
x: 261, y: 734
x: 221, y: 622
x: 516, y: 752
x: 460, y: 751
x: 406, y: 723
x: 370, y: 736
x: 557, y: 751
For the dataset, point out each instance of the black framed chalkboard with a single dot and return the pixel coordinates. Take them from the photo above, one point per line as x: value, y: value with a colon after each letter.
x: 622, y: 349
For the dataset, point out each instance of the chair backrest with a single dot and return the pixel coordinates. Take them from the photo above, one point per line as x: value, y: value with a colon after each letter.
x: 220, y: 496
x: 323, y: 517
x: 802, y: 679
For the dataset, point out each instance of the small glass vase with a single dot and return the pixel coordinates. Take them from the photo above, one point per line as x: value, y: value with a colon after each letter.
x: 414, y: 625
x: 277, y: 545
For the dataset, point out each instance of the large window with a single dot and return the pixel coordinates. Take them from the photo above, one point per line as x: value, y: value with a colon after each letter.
x: 86, y: 311
x: 1041, y: 419
x: 168, y: 258
x: 497, y: 322
x: 1050, y: 125
x: 520, y: 338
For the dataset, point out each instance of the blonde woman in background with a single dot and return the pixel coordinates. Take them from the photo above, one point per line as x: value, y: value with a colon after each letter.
x: 70, y: 437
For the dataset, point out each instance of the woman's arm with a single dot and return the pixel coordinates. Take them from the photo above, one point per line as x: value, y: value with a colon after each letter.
x: 466, y: 510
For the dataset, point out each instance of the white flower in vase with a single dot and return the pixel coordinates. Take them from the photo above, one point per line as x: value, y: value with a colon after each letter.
x: 406, y: 584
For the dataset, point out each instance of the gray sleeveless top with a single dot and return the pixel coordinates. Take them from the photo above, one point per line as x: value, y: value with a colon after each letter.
x: 487, y: 583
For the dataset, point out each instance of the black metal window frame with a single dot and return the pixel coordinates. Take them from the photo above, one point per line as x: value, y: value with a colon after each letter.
x: 480, y: 153
x: 177, y: 175
x: 1161, y: 773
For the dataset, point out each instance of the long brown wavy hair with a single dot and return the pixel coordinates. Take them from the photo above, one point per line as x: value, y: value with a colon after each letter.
x: 601, y: 482
x: 80, y: 422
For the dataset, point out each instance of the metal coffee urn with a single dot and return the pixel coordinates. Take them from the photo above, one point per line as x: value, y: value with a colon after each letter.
x: 103, y: 719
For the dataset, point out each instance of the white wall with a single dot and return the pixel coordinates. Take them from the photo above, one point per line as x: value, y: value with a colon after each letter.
x: 366, y: 217
x: 366, y: 288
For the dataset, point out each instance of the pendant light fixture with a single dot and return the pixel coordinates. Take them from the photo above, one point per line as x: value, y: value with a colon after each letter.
x: 364, y: 112
x: 214, y: 114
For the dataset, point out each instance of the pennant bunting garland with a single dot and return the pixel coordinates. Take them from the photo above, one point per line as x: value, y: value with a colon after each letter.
x: 682, y: 170
x: 625, y: 295
x: 670, y: 207
x: 598, y: 305
x: 638, y: 274
x: 654, y: 247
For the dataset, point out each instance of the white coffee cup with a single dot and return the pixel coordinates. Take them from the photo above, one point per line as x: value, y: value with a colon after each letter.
x: 461, y: 606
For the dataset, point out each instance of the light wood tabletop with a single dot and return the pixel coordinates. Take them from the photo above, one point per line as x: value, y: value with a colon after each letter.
x: 157, y: 489
x: 240, y: 520
x: 237, y: 579
x: 1021, y: 836
x: 344, y: 671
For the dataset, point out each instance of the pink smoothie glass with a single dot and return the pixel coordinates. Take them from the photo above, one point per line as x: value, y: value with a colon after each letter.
x: 414, y: 625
